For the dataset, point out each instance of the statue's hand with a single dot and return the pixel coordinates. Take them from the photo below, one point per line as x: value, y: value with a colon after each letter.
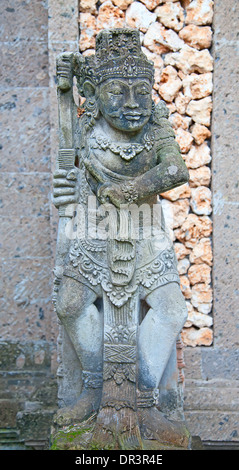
x: 65, y: 189
x: 111, y: 193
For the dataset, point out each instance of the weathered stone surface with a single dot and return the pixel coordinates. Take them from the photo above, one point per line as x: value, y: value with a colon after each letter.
x: 181, y: 103
x: 181, y: 250
x: 202, y: 297
x: 199, y: 12
x: 190, y: 60
x: 180, y: 211
x: 184, y: 139
x: 200, y: 176
x: 197, y: 86
x: 183, y: 266
x: 171, y: 15
x: 122, y: 4
x: 198, y: 156
x: 200, y: 133
x: 8, y: 411
x: 221, y: 363
x: 151, y: 39
x: 170, y: 84
x: 88, y: 6
x: 158, y: 64
x: 200, y: 201
x: 25, y: 199
x: 29, y: 424
x: 24, y: 115
x: 199, y: 273
x: 177, y: 120
x: 180, y: 192
x: 200, y: 320
x: 88, y: 27
x: 29, y: 58
x: 156, y: 59
x: 199, y: 37
x: 185, y: 288
x: 89, y: 334
x: 22, y: 237
x: 109, y: 16
x: 152, y: 4
x: 171, y: 40
x: 212, y: 394
x: 137, y: 16
x: 161, y: 40
x: 200, y: 110
x: 194, y: 228
x: 202, y: 252
x: 221, y: 426
x: 23, y: 20
x: 197, y: 337
x: 26, y: 313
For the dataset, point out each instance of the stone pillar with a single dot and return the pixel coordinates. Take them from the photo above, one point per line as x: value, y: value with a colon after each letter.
x: 212, y: 392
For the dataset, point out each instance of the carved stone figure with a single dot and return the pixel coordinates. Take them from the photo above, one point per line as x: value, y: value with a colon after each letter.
x: 117, y: 291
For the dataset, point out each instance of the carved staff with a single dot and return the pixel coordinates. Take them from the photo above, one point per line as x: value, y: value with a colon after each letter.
x: 67, y: 113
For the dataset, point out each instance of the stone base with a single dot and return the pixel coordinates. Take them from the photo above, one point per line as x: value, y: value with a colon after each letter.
x: 81, y: 436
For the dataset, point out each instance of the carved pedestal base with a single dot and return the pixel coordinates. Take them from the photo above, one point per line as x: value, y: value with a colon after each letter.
x: 110, y: 429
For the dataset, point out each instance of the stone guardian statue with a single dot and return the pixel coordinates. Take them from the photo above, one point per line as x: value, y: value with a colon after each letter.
x: 117, y: 291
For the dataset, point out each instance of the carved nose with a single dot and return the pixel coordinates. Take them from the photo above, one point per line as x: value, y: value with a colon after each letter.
x: 131, y: 103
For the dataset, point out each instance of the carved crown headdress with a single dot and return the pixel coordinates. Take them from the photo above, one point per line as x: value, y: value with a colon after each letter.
x: 118, y: 54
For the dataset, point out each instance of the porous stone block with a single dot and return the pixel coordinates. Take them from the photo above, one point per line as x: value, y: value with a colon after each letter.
x: 197, y: 336
x: 199, y: 12
x: 29, y: 58
x: 200, y: 176
x: 8, y: 411
x: 190, y: 60
x: 28, y: 197
x: 35, y: 425
x: 199, y: 37
x: 62, y: 21
x: 200, y: 110
x: 24, y: 237
x: 219, y: 426
x: 24, y: 133
x: 26, y: 299
x: 22, y: 20
x: 171, y: 15
x: 137, y: 16
x: 109, y: 16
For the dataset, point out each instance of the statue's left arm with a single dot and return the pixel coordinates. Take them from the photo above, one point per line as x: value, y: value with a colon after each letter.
x: 170, y: 172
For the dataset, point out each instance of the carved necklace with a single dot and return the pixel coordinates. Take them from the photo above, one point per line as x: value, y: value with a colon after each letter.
x: 126, y: 151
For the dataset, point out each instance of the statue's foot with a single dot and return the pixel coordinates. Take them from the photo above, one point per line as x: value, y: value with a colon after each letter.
x: 116, y: 429
x: 154, y: 426
x: 86, y: 406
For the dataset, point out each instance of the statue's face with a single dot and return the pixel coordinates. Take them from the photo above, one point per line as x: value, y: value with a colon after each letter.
x: 126, y: 104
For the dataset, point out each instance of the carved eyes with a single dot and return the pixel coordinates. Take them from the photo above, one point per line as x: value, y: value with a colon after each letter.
x: 116, y: 92
x: 142, y: 91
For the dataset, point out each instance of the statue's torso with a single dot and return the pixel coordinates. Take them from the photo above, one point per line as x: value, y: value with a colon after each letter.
x: 127, y: 159
x: 152, y: 260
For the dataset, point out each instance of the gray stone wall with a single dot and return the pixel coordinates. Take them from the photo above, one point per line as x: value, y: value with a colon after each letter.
x: 212, y: 393
x: 28, y: 326
x: 32, y: 33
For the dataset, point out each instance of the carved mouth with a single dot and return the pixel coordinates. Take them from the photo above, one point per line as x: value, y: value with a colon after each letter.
x: 132, y: 116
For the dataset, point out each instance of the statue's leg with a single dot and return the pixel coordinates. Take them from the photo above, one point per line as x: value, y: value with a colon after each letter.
x: 158, y: 333
x: 84, y: 324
